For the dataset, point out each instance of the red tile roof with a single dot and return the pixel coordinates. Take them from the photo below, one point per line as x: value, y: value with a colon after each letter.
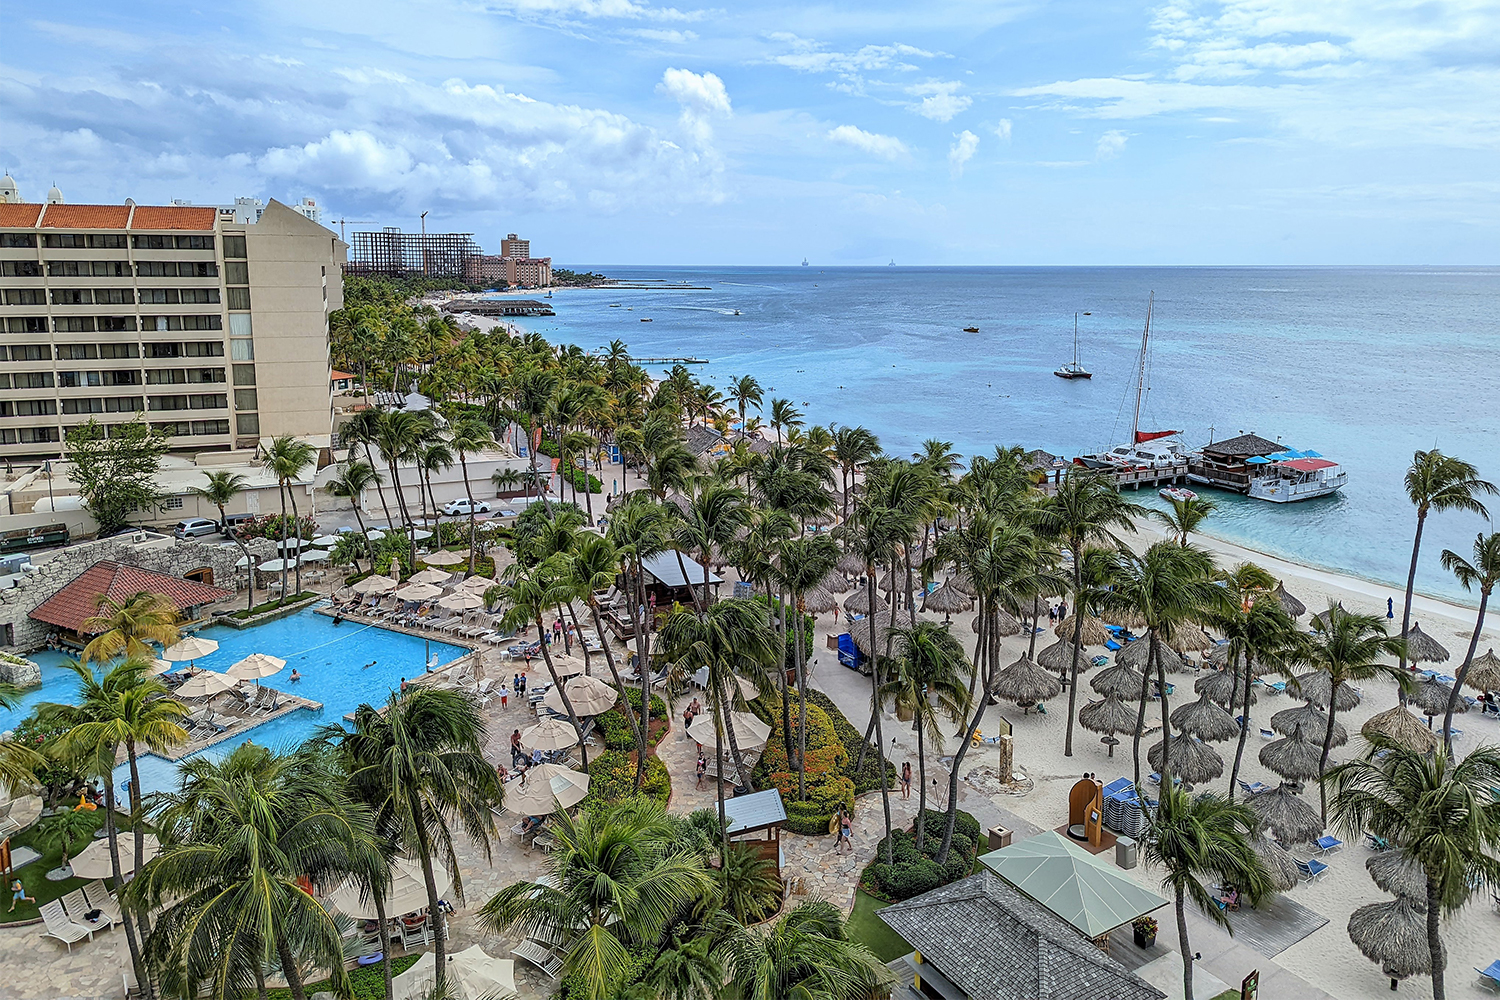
x: 19, y: 215
x: 174, y: 217
x: 85, y: 216
x: 80, y: 599
x: 338, y: 376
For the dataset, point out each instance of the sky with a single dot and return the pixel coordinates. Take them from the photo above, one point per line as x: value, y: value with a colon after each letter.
x: 946, y: 132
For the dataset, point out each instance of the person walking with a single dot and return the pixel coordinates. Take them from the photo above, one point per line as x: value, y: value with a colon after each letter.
x: 906, y: 780
x: 702, y: 767
x: 504, y: 695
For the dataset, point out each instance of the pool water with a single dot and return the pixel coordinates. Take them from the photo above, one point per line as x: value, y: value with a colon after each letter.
x: 342, y: 666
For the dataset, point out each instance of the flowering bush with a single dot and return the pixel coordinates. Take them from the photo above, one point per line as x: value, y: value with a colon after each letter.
x: 828, y: 787
x: 269, y: 526
x: 1145, y: 925
x: 612, y: 777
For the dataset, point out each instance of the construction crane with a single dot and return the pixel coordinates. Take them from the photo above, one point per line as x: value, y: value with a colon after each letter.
x: 353, y: 222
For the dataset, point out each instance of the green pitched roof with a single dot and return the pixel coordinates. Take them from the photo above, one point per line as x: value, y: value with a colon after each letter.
x: 1093, y: 896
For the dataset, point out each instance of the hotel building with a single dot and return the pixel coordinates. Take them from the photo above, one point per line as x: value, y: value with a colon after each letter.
x: 215, y: 329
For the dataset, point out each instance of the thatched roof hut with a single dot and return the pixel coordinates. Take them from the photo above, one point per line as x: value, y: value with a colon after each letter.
x: 1059, y: 656
x: 1192, y: 760
x: 1205, y: 720
x: 1312, y: 721
x: 1295, y: 757
x: 1289, y: 604
x: 1217, y: 655
x: 820, y: 601
x: 1286, y: 815
x: 836, y: 582
x: 1135, y: 654
x: 1322, y: 618
x: 1118, y: 680
x: 948, y: 600
x: 1224, y: 687
x: 962, y: 584
x: 1025, y: 683
x: 1006, y: 623
x: 851, y: 564
x: 1423, y: 648
x: 1315, y: 685
x: 871, y: 642
x: 1189, y: 640
x: 1398, y: 724
x: 1431, y: 696
x: 1484, y: 673
x: 1279, y: 863
x: 858, y: 603
x: 1094, y: 632
x: 1108, y: 715
x: 1394, y: 936
x: 1398, y: 874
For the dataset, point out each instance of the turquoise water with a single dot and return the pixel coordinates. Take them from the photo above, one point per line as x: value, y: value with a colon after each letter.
x: 341, y: 666
x: 1364, y: 365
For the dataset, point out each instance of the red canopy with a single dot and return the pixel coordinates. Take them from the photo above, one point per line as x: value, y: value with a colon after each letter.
x: 1141, y: 437
x: 1309, y: 464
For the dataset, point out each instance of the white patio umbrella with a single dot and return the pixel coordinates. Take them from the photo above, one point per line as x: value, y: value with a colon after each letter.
x: 291, y: 544
x: 430, y: 576
x: 749, y: 731
x: 461, y: 601
x: 243, y: 562
x: 374, y: 535
x: 256, y: 666
x: 277, y: 565
x: 159, y: 666
x: 545, y: 788
x: 205, y: 684
x: 589, y: 695
x: 445, y: 558
x: 189, y: 649
x: 483, y: 975
x: 312, y: 555
x: 550, y: 734
x: 419, y: 535
x: 566, y: 667
x: 94, y: 862
x: 325, y: 541
x: 408, y: 892
x: 417, y: 592
x: 477, y: 584
x: 374, y: 585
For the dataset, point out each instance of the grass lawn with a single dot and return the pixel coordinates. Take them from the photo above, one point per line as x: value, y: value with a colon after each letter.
x: 367, y: 983
x: 872, y: 932
x: 34, y: 875
x: 1228, y: 995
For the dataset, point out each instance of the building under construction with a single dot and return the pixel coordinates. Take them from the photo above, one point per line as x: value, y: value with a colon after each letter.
x: 429, y: 255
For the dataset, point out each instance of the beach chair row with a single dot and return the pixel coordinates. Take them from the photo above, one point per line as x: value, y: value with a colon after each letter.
x: 69, y: 919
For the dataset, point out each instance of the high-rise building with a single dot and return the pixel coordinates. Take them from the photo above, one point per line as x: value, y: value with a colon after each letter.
x: 249, y: 210
x: 214, y: 328
x: 514, y: 246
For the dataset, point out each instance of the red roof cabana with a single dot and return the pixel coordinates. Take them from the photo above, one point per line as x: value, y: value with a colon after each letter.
x: 79, y: 600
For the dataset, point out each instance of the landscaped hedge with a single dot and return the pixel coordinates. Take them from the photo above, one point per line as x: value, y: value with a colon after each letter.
x: 867, y: 778
x: 914, y: 872
x: 616, y: 728
x: 366, y: 983
x: 827, y: 766
x: 612, y: 777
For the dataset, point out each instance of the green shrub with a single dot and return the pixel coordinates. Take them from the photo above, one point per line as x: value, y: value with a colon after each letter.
x: 612, y: 777
x: 273, y: 604
x: 827, y: 764
x: 616, y: 727
x: 912, y: 872
x: 867, y: 778
x: 367, y: 983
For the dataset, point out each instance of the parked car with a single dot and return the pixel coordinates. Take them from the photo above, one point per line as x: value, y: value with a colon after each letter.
x: 233, y: 521
x: 193, y: 527
x: 460, y: 507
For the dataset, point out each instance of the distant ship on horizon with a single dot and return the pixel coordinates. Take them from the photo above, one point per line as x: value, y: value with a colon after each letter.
x: 804, y: 261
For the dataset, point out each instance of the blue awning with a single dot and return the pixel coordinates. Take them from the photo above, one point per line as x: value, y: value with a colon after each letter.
x: 1257, y: 460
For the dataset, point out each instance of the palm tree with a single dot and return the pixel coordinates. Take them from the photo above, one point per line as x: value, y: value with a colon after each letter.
x: 784, y: 414
x: 127, y: 628
x: 853, y: 447
x: 398, y: 434
x: 1484, y: 573
x: 243, y: 836
x: 742, y: 391
x: 531, y: 592
x: 616, y: 879
x: 806, y: 955
x: 18, y: 762
x: 348, y: 550
x: 1184, y: 517
x: 592, y: 566
x: 286, y: 458
x: 1438, y: 482
x: 362, y: 428
x: 470, y: 435
x: 1347, y: 648
x: 639, y: 530
x: 801, y: 563
x: 220, y: 490
x: 1193, y: 837
x: 128, y: 707
x: 351, y: 482
x: 419, y: 761
x: 1086, y: 509
x: 1440, y: 812
x: 715, y: 513
x: 927, y: 684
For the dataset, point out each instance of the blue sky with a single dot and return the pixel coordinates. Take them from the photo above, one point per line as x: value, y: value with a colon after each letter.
x: 946, y: 132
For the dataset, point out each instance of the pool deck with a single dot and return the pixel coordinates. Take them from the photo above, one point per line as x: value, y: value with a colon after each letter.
x: 444, y: 637
x: 286, y: 704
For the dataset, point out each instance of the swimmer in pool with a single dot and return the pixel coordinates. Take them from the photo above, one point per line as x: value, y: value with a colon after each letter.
x: 295, y: 676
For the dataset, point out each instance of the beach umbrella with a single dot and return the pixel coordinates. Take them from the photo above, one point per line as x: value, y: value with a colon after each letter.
x: 545, y: 788
x: 566, y: 666
x: 256, y: 666
x: 851, y: 564
x: 158, y: 666
x: 550, y: 734
x: 1225, y: 687
x: 1398, y: 724
x: 374, y: 535
x: 1192, y: 760
x: 1423, y: 648
x: 870, y: 636
x: 444, y: 558
x: 205, y: 684
x: 1094, y: 632
x: 1313, y: 722
x: 1189, y: 640
x: 418, y: 535
x: 1289, y: 604
x: 1059, y: 656
x: 291, y: 544
x: 461, y: 601
x: 962, y: 584
x: 1006, y: 624
x: 312, y: 556
x: 1315, y: 685
x: 1393, y: 935
x: 1321, y: 619
x: 483, y: 975
x: 243, y: 562
x: 1431, y: 696
x: 1484, y: 673
x: 1279, y: 863
x: 749, y: 732
x: 835, y: 583
x: 1286, y: 815
x: 433, y: 576
x: 822, y: 520
x: 1295, y: 757
x: 417, y: 592
x: 1398, y: 874
x: 1135, y: 654
x: 276, y: 565
x: 477, y: 584
x: 589, y: 695
x: 1217, y: 655
x: 325, y: 541
x: 900, y: 581
x: 1025, y: 683
x: 1108, y: 715
x: 191, y: 648
x: 1118, y: 680
x: 820, y: 601
x: 1127, y: 618
x: 858, y: 603
x: 948, y: 600
x: 94, y: 860
x: 374, y: 585
x: 1205, y: 720
x: 406, y: 893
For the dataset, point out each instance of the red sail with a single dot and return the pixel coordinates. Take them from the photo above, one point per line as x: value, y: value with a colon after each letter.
x: 1141, y: 437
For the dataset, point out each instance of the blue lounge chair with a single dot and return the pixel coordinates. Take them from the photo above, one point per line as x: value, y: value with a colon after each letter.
x: 1375, y: 843
x: 1311, y: 869
x: 1490, y: 974
x: 1268, y: 734
x: 1328, y: 843
x: 1253, y: 788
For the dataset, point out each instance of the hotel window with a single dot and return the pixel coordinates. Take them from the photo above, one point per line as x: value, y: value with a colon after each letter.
x: 15, y: 241
x: 67, y: 268
x: 112, y: 296
x: 118, y: 378
x: 203, y: 349
x: 30, y: 352
x: 36, y: 435
x: 199, y: 323
x: 116, y: 324
x: 166, y: 376
x: 234, y: 247
x: 244, y: 399
x: 71, y: 406
x: 164, y: 296
x: 119, y: 351
x: 25, y: 297
x: 236, y: 272
x: 72, y: 297
x: 166, y: 402
x: 247, y: 423
x: 33, y: 380
x: 111, y: 268
x: 151, y: 242
x: 163, y: 350
x: 205, y: 376
x: 156, y: 269
x: 77, y: 352
x: 107, y: 241
x: 36, y: 407
x: 242, y: 350
x: 238, y: 298
x: 201, y: 296
x: 26, y: 324
x: 21, y: 269
x: 124, y: 404
x: 195, y: 242
x: 4, y: 381
x: 239, y: 325
x: 172, y: 503
x: 66, y: 241
x: 73, y: 324
x: 244, y: 374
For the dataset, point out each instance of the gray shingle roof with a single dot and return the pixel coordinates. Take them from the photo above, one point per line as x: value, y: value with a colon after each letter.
x: 663, y: 566
x: 994, y: 943
x: 755, y: 811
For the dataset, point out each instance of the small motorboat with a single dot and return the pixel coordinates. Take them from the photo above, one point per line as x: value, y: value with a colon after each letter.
x: 971, y: 329
x: 736, y: 312
x: 645, y: 319
x: 1177, y: 493
x: 614, y: 305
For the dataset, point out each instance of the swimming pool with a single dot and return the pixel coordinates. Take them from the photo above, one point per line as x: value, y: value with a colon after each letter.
x: 342, y: 666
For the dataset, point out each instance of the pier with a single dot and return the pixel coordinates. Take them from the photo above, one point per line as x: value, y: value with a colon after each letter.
x: 500, y: 307
x: 668, y: 361
x: 1132, y: 478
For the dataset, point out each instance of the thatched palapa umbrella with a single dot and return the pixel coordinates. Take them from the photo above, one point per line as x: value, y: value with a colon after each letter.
x: 835, y: 582
x: 1289, y: 604
x: 1431, y: 697
x: 1423, y: 648
x: 1311, y: 720
x: 962, y: 584
x: 1205, y: 720
x: 1189, y: 640
x: 1224, y: 687
x: 1314, y: 686
x: 858, y: 603
x: 819, y: 601
x: 1398, y: 724
x: 1322, y: 618
x: 1394, y: 936
x: 1135, y: 654
x: 1118, y: 680
x: 1217, y: 654
x: 1398, y: 874
x: 1192, y: 760
x: 1025, y: 683
x: 1108, y: 715
x: 1295, y: 758
x: 1094, y: 632
x: 1279, y: 863
x: 1484, y: 673
x: 1286, y: 815
x: 1059, y: 656
x: 870, y: 643
x: 851, y: 564
x: 1006, y: 623
x: 948, y: 600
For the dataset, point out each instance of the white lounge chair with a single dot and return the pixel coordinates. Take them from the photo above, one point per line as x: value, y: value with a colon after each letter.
x: 102, y: 898
x: 78, y: 907
x: 60, y: 927
x: 540, y: 956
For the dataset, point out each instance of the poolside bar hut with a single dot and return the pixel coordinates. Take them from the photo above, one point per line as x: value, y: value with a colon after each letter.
x: 665, y: 580
x: 757, y: 819
x: 75, y: 603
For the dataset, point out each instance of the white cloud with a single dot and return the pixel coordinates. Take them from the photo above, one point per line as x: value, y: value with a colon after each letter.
x: 1002, y: 130
x: 702, y: 97
x: 962, y: 151
x: 599, y: 9
x: 670, y: 36
x: 810, y: 56
x: 1111, y: 144
x: 940, y: 99
x: 887, y: 147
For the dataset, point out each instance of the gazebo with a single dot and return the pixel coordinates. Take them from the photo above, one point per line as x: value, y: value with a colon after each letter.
x: 757, y: 819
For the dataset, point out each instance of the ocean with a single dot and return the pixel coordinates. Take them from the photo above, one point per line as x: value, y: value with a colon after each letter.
x: 1364, y: 365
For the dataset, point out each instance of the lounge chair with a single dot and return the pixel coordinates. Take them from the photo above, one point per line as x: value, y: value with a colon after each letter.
x: 60, y: 926
x: 1328, y: 843
x: 1312, y: 869
x: 1252, y: 788
x: 1268, y: 734
x: 539, y: 955
x: 1490, y: 975
x: 78, y: 908
x: 101, y: 898
x: 1375, y: 843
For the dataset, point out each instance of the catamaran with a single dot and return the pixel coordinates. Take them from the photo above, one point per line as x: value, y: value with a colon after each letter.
x: 1146, y: 448
x: 1074, y: 369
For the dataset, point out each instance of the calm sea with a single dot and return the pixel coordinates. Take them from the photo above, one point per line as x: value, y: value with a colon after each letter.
x: 1364, y: 365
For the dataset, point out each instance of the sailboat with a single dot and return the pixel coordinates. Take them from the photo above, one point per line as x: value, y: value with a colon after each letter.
x: 1145, y: 449
x: 1074, y: 369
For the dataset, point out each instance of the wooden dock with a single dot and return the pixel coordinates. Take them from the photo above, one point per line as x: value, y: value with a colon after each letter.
x: 501, y: 307
x: 1133, y: 478
x: 668, y: 361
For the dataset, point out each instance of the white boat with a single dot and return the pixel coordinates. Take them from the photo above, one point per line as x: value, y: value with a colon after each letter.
x: 1073, y: 369
x: 1177, y: 493
x: 1146, y: 448
x: 804, y: 261
x: 1298, y: 479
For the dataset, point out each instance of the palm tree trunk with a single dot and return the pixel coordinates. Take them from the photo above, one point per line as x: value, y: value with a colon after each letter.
x: 1036, y: 614
x: 614, y: 673
x: 1435, y: 938
x: 1239, y: 753
x: 734, y: 748
x: 260, y: 983
x: 885, y: 791
x: 567, y: 702
x: 385, y: 945
x: 138, y: 830
x: 1166, y: 722
x: 281, y: 489
x: 799, y: 658
x: 719, y: 789
x: 142, y: 979
x: 1140, y: 718
x: 294, y: 977
x: 1182, y: 942
x: 1411, y: 584
x: 379, y: 489
x: 405, y: 514
x: 1077, y: 647
x: 434, y: 914
x: 922, y: 778
x: 793, y: 760
x: 1333, y: 695
x: 469, y: 492
x: 643, y: 659
x: 968, y: 738
x: 1463, y: 671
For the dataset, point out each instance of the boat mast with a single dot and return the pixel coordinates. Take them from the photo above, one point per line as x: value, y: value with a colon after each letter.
x: 1140, y: 375
x: 1075, y: 340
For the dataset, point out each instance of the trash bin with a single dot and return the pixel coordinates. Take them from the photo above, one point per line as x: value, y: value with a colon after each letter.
x: 1127, y: 853
x: 999, y: 837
